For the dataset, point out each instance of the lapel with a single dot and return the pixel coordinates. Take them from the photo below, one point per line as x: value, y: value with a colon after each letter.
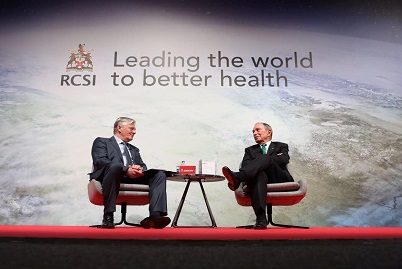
x: 132, y: 152
x: 257, y: 150
x: 271, y: 148
x: 116, y: 147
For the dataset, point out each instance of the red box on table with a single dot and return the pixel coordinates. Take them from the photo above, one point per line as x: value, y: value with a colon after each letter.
x: 187, y: 169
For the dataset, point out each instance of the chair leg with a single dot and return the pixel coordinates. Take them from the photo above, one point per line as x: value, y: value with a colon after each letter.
x: 270, y: 220
x: 123, y: 214
x: 123, y: 217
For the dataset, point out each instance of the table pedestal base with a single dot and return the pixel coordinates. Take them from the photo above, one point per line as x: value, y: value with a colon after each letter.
x: 183, y: 198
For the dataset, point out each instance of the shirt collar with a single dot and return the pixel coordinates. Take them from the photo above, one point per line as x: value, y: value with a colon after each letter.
x: 268, y: 143
x: 118, y: 140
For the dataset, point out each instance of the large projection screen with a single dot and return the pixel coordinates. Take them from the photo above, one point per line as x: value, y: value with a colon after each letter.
x: 196, y: 77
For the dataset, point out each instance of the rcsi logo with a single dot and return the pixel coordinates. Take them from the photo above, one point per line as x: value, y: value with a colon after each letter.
x: 79, y: 61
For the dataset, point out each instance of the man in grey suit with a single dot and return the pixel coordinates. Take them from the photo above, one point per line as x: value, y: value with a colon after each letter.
x: 264, y: 162
x: 116, y: 161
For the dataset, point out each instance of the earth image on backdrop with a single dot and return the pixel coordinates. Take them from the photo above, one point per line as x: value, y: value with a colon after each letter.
x: 341, y: 118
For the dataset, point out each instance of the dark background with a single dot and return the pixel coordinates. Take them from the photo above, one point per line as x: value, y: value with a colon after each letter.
x: 377, y: 19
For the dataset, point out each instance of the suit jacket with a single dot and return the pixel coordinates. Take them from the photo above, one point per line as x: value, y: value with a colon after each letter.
x: 279, y: 155
x: 106, y: 151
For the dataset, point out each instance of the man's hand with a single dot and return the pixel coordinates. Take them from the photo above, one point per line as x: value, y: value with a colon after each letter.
x: 134, y: 171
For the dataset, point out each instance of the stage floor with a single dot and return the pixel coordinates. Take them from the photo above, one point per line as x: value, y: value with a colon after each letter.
x: 221, y: 233
x: 68, y: 247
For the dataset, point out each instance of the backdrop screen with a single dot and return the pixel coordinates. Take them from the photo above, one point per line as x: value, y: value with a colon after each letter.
x: 196, y: 77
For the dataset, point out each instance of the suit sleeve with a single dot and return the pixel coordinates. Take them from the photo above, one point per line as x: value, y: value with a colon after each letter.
x: 138, y: 160
x: 247, y: 157
x: 99, y: 153
x: 281, y: 156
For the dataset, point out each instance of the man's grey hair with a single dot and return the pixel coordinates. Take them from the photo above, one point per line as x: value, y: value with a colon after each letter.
x: 266, y: 125
x: 121, y: 121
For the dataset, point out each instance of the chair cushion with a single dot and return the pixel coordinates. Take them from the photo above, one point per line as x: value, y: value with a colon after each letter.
x: 132, y: 194
x: 279, y: 194
x: 134, y: 187
x: 281, y: 187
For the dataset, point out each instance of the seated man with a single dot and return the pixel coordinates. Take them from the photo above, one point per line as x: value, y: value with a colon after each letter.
x: 262, y: 163
x: 116, y: 161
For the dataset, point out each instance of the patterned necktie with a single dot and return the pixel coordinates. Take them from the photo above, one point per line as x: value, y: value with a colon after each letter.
x: 127, y: 154
x: 264, y: 149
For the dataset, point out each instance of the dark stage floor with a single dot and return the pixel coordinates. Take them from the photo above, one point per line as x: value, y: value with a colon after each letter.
x: 143, y: 254
x: 197, y: 233
x: 210, y: 248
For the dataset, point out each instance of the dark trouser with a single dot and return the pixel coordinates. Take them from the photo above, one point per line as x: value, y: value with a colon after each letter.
x: 265, y: 164
x: 113, y: 176
x: 258, y: 193
x: 257, y: 174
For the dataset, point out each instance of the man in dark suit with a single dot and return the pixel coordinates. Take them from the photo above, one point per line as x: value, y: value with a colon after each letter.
x: 116, y: 161
x: 264, y: 162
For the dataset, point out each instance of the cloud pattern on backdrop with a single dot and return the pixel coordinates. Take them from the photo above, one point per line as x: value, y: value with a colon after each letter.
x: 341, y: 120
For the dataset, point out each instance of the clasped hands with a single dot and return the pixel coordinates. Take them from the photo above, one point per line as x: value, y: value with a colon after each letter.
x: 134, y: 171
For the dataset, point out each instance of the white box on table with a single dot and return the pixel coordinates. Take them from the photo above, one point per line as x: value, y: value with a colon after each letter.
x: 207, y: 168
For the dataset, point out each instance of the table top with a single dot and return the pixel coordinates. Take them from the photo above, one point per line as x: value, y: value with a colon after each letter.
x: 196, y: 177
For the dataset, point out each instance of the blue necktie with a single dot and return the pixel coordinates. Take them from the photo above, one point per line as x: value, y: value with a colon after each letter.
x: 127, y: 154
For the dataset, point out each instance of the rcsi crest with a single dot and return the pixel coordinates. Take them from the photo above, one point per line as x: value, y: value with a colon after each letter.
x: 80, y: 60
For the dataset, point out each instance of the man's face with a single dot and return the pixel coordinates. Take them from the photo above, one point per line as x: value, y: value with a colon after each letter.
x: 126, y: 132
x: 261, y: 135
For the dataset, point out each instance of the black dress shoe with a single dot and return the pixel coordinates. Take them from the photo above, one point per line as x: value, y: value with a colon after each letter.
x: 108, y: 221
x: 260, y: 224
x: 234, y: 183
x: 155, y: 222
